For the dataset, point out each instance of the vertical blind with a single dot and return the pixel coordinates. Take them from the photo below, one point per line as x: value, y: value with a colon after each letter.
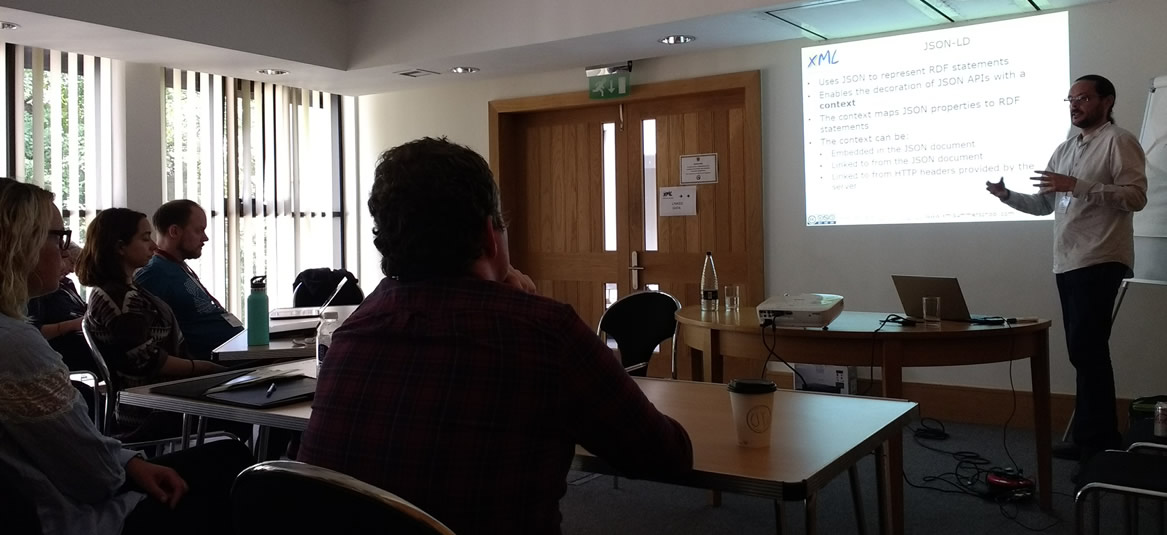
x: 63, y: 105
x: 263, y: 161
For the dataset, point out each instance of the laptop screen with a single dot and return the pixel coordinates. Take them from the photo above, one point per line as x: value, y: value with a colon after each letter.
x: 913, y: 289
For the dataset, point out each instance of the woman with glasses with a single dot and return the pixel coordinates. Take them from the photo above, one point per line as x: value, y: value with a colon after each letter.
x: 136, y: 332
x: 58, y: 314
x: 58, y: 475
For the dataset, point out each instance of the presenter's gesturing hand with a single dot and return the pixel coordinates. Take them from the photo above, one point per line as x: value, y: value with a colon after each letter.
x: 1050, y: 181
x: 998, y: 189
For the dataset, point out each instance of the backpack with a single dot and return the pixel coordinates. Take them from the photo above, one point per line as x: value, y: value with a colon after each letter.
x: 312, y: 288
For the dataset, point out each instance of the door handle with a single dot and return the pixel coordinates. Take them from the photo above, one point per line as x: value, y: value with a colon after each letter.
x: 635, y: 268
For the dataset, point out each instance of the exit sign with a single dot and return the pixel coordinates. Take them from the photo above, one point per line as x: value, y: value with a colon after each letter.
x: 609, y: 85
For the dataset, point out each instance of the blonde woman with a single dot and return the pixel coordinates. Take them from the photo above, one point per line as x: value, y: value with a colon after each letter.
x: 51, y: 456
x: 58, y: 315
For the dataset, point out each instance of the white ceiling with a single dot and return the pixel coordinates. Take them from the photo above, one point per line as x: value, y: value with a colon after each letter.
x: 356, y: 47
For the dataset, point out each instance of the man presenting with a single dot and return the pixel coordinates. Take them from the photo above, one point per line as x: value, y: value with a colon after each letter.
x: 1093, y: 184
x: 455, y: 387
x: 181, y: 226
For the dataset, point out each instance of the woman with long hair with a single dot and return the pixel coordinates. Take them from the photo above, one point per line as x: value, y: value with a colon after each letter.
x: 135, y: 331
x: 53, y: 461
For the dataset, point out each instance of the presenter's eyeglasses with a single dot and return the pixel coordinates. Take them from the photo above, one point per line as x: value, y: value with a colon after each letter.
x: 1078, y: 100
x: 64, y: 238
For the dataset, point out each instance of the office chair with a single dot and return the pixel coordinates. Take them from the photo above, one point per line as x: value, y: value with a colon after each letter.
x: 312, y: 287
x: 639, y: 322
x: 294, y: 497
x: 1139, y: 471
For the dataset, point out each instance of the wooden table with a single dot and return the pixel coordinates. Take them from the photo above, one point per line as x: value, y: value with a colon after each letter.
x: 814, y: 437
x: 856, y: 339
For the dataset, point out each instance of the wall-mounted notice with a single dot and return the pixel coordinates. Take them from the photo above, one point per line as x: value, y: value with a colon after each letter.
x: 699, y: 169
x: 678, y: 201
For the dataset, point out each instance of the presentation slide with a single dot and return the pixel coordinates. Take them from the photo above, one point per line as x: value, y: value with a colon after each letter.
x: 907, y: 129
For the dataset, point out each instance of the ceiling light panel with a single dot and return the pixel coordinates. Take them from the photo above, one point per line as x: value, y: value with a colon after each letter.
x: 849, y: 19
x: 960, y: 10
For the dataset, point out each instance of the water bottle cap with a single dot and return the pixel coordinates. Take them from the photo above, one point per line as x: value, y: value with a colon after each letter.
x: 330, y: 315
x: 708, y: 253
x: 259, y: 282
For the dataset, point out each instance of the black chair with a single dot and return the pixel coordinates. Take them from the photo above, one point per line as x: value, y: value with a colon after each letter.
x: 294, y: 497
x: 146, y: 437
x: 1138, y: 472
x: 639, y: 322
x: 313, y: 287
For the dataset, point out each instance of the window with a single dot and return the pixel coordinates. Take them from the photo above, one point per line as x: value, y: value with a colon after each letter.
x: 62, y: 113
x: 263, y: 160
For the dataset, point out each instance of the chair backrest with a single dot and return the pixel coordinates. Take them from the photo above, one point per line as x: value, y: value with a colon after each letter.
x: 109, y: 399
x: 289, y: 496
x: 313, y: 287
x: 639, y: 322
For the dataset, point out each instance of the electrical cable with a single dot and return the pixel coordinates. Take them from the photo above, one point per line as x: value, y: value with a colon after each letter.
x: 871, y: 361
x: 772, y: 354
x: 969, y: 476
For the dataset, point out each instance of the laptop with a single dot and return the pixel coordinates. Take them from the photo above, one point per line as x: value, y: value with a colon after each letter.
x: 306, y: 312
x: 913, y: 289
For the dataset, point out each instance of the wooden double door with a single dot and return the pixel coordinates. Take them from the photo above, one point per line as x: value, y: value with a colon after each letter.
x: 581, y: 180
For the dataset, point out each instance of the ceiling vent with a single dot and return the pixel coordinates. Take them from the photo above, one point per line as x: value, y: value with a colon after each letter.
x: 415, y: 73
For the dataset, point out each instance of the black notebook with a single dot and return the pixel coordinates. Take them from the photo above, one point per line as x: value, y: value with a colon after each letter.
x: 289, y: 389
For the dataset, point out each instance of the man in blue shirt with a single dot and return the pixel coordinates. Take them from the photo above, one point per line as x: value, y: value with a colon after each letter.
x: 181, y: 227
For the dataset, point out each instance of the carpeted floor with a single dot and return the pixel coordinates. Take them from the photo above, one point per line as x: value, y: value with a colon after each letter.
x: 592, y: 506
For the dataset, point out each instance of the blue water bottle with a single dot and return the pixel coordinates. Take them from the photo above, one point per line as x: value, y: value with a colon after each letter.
x: 257, y: 313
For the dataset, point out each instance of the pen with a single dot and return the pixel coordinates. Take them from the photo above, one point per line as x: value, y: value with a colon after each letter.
x: 271, y: 389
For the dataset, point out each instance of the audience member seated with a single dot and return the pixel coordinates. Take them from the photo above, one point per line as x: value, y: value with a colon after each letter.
x: 58, y: 315
x: 135, y: 331
x: 182, y: 227
x: 457, y: 388
x: 80, y: 481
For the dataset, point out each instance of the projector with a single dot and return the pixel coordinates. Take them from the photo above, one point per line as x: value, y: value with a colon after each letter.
x: 802, y: 310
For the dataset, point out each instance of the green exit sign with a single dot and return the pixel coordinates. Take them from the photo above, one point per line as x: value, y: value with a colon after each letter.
x: 609, y: 85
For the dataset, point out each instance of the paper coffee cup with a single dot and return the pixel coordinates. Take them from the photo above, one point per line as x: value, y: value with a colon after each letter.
x: 752, y: 401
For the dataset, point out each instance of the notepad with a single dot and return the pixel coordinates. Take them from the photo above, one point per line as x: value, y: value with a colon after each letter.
x: 289, y: 389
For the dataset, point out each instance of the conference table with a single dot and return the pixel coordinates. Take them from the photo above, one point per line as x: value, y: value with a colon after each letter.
x: 859, y: 339
x: 288, y: 345
x: 814, y: 437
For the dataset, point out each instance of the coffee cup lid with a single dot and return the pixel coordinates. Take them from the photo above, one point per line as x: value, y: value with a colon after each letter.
x: 752, y: 386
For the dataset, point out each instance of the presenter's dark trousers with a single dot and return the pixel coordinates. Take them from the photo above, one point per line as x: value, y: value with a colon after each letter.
x: 1087, y: 296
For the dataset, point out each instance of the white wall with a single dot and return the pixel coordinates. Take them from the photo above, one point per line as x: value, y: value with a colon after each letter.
x: 141, y: 136
x: 1004, y: 267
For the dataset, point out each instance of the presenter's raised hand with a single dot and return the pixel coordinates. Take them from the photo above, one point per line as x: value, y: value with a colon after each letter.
x: 998, y: 188
x: 1050, y: 181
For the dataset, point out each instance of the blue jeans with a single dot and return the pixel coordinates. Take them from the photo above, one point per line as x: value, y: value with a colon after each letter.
x: 1087, y: 296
